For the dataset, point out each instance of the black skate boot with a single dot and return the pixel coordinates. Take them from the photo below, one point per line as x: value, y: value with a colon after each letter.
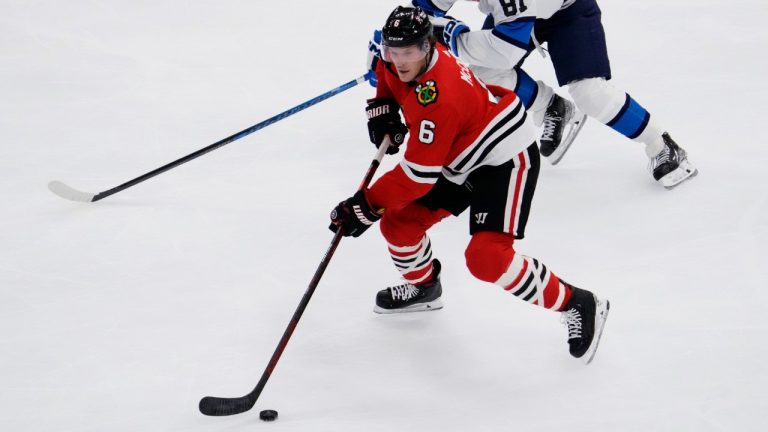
x: 408, y: 297
x: 671, y: 166
x: 561, y: 118
x: 585, y: 316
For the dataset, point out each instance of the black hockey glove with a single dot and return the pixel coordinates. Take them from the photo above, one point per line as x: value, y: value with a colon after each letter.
x: 384, y: 119
x: 353, y: 216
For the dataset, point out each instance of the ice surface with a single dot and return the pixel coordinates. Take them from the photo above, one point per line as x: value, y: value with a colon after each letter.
x: 120, y: 315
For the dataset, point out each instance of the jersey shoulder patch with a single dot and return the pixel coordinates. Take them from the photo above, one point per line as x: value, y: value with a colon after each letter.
x: 426, y: 92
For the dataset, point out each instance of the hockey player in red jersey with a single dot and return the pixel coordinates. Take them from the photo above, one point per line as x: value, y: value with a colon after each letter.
x: 469, y: 146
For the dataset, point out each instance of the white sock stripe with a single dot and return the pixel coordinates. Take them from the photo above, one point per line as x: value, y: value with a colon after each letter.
x: 413, y: 249
x: 529, y: 277
x: 532, y: 283
x: 547, y: 275
x: 530, y: 293
x: 420, y: 258
x: 423, y: 263
x: 424, y: 249
x: 525, y: 283
x: 404, y: 260
x: 534, y: 287
x: 528, y: 289
x: 416, y: 265
x: 544, y: 274
x: 513, y: 271
x: 560, y: 297
x: 411, y: 262
x: 421, y: 279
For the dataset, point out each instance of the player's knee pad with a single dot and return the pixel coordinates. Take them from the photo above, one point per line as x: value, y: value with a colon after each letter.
x: 489, y: 255
x: 407, y: 225
x: 597, y: 98
x: 397, y: 230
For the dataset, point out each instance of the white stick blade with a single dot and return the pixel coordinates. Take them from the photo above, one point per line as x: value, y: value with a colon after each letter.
x: 69, y: 193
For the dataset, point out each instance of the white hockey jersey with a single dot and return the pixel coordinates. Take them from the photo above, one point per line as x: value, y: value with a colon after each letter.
x: 503, y: 46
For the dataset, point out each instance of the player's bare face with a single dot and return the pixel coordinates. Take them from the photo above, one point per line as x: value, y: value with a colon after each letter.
x: 409, y: 61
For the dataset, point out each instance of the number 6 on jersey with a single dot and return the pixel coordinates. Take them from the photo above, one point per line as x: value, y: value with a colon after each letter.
x: 426, y: 131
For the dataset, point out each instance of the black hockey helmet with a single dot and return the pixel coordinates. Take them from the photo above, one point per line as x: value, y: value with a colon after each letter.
x: 406, y: 26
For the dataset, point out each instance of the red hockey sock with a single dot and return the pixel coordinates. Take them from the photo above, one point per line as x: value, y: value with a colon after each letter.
x: 492, y: 258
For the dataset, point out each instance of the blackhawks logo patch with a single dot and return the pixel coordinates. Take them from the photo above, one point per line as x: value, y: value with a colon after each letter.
x: 426, y: 93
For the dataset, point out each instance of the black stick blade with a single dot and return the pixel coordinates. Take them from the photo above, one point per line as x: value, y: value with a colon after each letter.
x: 216, y: 406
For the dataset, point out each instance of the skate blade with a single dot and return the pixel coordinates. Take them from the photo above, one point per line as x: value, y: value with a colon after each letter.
x: 682, y: 173
x: 421, y: 307
x: 601, y: 314
x: 559, y: 152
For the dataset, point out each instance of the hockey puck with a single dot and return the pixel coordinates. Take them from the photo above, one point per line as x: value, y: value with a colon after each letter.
x: 268, y: 415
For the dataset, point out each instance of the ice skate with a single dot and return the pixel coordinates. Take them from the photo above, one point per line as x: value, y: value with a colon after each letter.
x: 408, y: 297
x: 585, y: 316
x: 671, y: 167
x: 561, y: 118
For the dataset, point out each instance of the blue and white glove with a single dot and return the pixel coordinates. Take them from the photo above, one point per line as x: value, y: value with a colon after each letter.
x: 428, y: 7
x: 452, y: 28
x: 374, y: 55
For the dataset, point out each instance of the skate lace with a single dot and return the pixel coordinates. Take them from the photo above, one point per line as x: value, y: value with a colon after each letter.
x: 572, y: 319
x: 550, y: 123
x: 404, y: 291
x: 663, y: 157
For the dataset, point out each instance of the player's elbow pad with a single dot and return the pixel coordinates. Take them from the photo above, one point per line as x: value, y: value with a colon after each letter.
x: 482, y: 48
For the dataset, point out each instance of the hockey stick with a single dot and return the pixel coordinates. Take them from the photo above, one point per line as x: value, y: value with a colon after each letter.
x: 70, y: 193
x: 220, y: 406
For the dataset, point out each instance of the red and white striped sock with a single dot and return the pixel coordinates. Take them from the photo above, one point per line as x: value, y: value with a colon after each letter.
x: 413, y: 262
x: 530, y: 280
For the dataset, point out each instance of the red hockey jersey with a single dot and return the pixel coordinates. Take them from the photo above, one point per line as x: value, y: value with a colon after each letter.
x: 456, y: 124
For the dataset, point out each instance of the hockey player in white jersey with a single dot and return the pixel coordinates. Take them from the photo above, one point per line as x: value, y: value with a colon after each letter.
x: 575, y: 40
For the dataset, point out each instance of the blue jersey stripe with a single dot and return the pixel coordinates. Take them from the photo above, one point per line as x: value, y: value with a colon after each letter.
x: 642, y: 126
x: 526, y: 88
x: 631, y: 119
x: 517, y: 33
x: 621, y: 112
